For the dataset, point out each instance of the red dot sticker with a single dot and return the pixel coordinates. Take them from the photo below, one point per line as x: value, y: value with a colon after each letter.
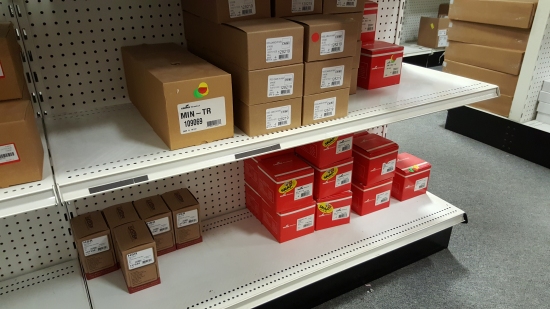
x: 315, y: 37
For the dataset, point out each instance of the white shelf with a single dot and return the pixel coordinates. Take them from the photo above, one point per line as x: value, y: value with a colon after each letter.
x: 413, y: 49
x: 240, y: 265
x: 539, y: 125
x: 114, y: 144
x: 60, y: 286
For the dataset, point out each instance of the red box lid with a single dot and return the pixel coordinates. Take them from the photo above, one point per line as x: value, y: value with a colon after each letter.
x: 285, y: 167
x: 336, y: 197
x: 373, y: 145
x: 380, y: 47
x: 340, y: 163
x: 375, y: 185
x: 408, y: 164
x: 371, y: 5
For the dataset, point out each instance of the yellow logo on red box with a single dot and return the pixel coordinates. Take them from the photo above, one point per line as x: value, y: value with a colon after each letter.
x: 288, y: 186
x: 325, y: 208
x: 330, y: 174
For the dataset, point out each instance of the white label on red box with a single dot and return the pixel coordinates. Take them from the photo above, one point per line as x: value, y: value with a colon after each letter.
x: 159, y: 226
x: 240, y: 8
x: 324, y: 108
x: 278, y: 117
x: 443, y: 41
x: 201, y: 115
x: 344, y: 145
x: 300, y: 6
x: 393, y: 67
x: 303, y: 191
x: 382, y: 198
x: 332, y: 77
x: 278, y: 49
x: 341, y: 213
x: 305, y: 222
x: 369, y: 23
x: 388, y: 167
x: 280, y: 85
x: 343, y: 179
x: 1, y: 71
x: 332, y: 42
x: 187, y: 218
x: 346, y: 3
x: 421, y: 184
x: 140, y: 258
x: 95, y: 245
x: 8, y: 154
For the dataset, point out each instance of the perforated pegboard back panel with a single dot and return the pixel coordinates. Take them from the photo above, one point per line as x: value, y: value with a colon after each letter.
x: 4, y: 11
x: 387, y: 27
x: 414, y: 9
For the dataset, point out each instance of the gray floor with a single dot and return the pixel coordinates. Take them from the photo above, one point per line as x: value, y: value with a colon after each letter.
x: 500, y: 259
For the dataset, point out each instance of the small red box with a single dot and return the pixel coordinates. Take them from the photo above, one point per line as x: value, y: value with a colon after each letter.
x: 333, y: 179
x: 333, y: 211
x: 374, y: 159
x: 367, y: 200
x: 411, y: 177
x: 253, y: 201
x: 370, y: 15
x: 286, y: 182
x: 380, y: 65
x: 251, y: 166
x: 327, y: 152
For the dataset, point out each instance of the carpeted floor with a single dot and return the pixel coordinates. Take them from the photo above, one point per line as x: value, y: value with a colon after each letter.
x: 501, y: 259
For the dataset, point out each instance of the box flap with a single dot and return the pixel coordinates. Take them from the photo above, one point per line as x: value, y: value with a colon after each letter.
x: 132, y: 235
x: 12, y: 111
x: 150, y: 207
x: 180, y: 199
x: 408, y: 164
x: 120, y: 214
x: 88, y: 224
x: 264, y: 25
x: 285, y: 167
x: 5, y: 29
x: 372, y: 145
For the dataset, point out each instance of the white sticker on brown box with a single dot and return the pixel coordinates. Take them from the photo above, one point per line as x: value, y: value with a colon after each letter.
x: 332, y: 77
x: 344, y: 145
x: 421, y: 184
x: 240, y: 8
x: 278, y: 49
x: 369, y: 23
x: 95, y: 245
x: 442, y: 32
x: 303, y: 191
x: 382, y: 198
x: 280, y: 85
x: 8, y: 154
x: 324, y: 108
x: 278, y: 117
x: 393, y: 67
x: 159, y: 226
x: 140, y: 258
x: 343, y: 179
x: 443, y: 41
x: 346, y: 3
x: 388, y: 167
x: 332, y: 42
x: 301, y: 6
x: 341, y: 213
x: 201, y: 115
x: 187, y: 218
x: 305, y: 222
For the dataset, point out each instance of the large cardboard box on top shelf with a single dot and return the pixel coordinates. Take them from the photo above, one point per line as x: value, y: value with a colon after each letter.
x: 433, y: 32
x: 488, y: 35
x: 267, y: 118
x: 223, y: 11
x: 12, y: 77
x: 492, y: 58
x: 343, y: 6
x: 285, y: 8
x: 186, y: 100
x: 510, y: 13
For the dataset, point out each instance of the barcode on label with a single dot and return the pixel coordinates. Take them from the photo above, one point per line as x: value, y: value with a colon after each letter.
x: 341, y: 216
x: 285, y: 56
x: 308, y: 224
x: 346, y: 148
x: 282, y: 123
x: 214, y: 123
x: 395, y: 71
x: 247, y: 12
x: 285, y: 91
x: 370, y: 28
x: 327, y: 114
x: 305, y: 193
x: 7, y: 155
x: 102, y: 248
x: 336, y: 83
x: 335, y: 49
x: 383, y: 200
x: 307, y: 8
x: 147, y: 261
x: 350, y: 3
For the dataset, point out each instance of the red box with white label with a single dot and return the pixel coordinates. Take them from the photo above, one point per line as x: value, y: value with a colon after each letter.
x: 333, y: 210
x: 251, y: 166
x: 374, y: 159
x: 380, y: 65
x: 324, y: 153
x: 370, y: 15
x: 367, y: 200
x: 333, y: 179
x: 411, y: 179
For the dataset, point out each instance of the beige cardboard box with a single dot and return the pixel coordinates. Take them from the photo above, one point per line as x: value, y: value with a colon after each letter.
x: 94, y: 245
x: 492, y: 58
x: 158, y: 218
x: 357, y: 57
x: 357, y: 19
x: 433, y: 32
x: 343, y: 6
x: 186, y: 100
x: 285, y: 8
x: 500, y: 106
x: 488, y: 35
x: 12, y: 76
x: 325, y: 106
x: 139, y: 261
x: 353, y: 87
x: 186, y: 213
x: 327, y: 75
x: 224, y: 11
x: 509, y: 13
x: 266, y: 118
x: 118, y: 215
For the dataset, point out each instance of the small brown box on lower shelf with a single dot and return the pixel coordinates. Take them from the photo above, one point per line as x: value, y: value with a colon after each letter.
x: 186, y: 215
x: 138, y: 251
x: 119, y: 215
x: 325, y: 106
x: 158, y: 218
x: 93, y: 243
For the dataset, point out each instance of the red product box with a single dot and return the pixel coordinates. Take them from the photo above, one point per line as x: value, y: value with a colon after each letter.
x: 370, y: 15
x: 411, y: 177
x: 380, y: 65
x: 375, y: 158
x: 253, y: 201
x: 333, y: 211
x: 333, y: 179
x: 367, y: 200
x: 286, y: 182
x: 327, y: 152
x: 251, y: 171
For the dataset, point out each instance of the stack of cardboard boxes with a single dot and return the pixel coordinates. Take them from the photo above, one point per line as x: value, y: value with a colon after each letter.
x: 433, y: 31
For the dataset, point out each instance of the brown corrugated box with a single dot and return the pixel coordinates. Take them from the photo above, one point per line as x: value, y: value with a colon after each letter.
x: 357, y: 19
x: 325, y: 106
x: 327, y: 75
x: 343, y: 6
x: 328, y: 36
x: 12, y: 76
x: 268, y: 117
x: 433, y: 32
x: 284, y: 8
x: 506, y: 82
x: 118, y: 215
x: 186, y: 100
x: 357, y: 57
x: 224, y: 11
x: 186, y: 215
x: 500, y: 106
x: 353, y: 87
x: 510, y: 13
x: 492, y: 58
x: 488, y: 35
x: 158, y: 218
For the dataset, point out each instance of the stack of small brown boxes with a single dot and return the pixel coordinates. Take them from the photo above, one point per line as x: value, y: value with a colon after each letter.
x: 487, y: 42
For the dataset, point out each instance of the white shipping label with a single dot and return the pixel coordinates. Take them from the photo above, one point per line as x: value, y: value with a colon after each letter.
x: 382, y: 198
x: 159, y: 226
x: 8, y: 154
x: 140, y: 258
x: 1, y: 71
x: 305, y: 222
x: 388, y: 167
x: 202, y: 115
x: 442, y: 32
x: 346, y: 3
x: 278, y: 117
x: 344, y: 145
x: 421, y: 184
x: 324, y: 108
x: 332, y: 77
x: 278, y: 49
x: 300, y: 6
x: 96, y: 245
x: 240, y: 8
x: 343, y: 179
x: 188, y: 218
x: 303, y: 191
x: 369, y: 23
x: 280, y: 85
x: 332, y: 42
x: 341, y: 213
x: 393, y: 67
x: 443, y: 41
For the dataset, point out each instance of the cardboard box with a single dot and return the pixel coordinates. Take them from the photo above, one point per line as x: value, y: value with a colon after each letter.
x: 412, y: 176
x: 223, y: 11
x: 342, y: 6
x: 333, y: 211
x: 139, y: 261
x: 186, y: 215
x: 325, y: 153
x: 368, y: 26
x: 443, y: 11
x: 357, y: 19
x: 325, y: 106
x: 327, y: 75
x: 492, y: 58
x: 119, y: 215
x: 186, y: 100
x: 374, y: 159
x: 353, y: 87
x: 328, y: 36
x: 357, y: 57
x: 433, y: 32
x: 500, y: 106
x: 12, y: 75
x: 488, y: 35
x: 93, y: 244
x: 517, y: 14
x: 285, y: 8
x: 368, y: 199
x: 380, y: 65
x: 158, y: 218
x: 506, y: 82
x: 266, y: 118
x: 332, y: 180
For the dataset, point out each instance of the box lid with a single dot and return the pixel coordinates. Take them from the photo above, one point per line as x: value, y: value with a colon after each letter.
x: 336, y: 197
x: 88, y: 224
x: 179, y: 199
x: 380, y: 47
x: 264, y: 25
x: 132, y: 235
x: 12, y: 111
x: 120, y: 214
x: 5, y: 29
x: 346, y: 161
x: 321, y: 20
x: 372, y: 145
x: 407, y: 164
x: 285, y: 167
x: 150, y: 207
x: 372, y: 186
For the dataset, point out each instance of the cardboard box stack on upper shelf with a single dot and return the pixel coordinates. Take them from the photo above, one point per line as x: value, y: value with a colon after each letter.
x: 543, y: 109
x: 287, y: 8
x: 487, y: 42
x: 433, y: 31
